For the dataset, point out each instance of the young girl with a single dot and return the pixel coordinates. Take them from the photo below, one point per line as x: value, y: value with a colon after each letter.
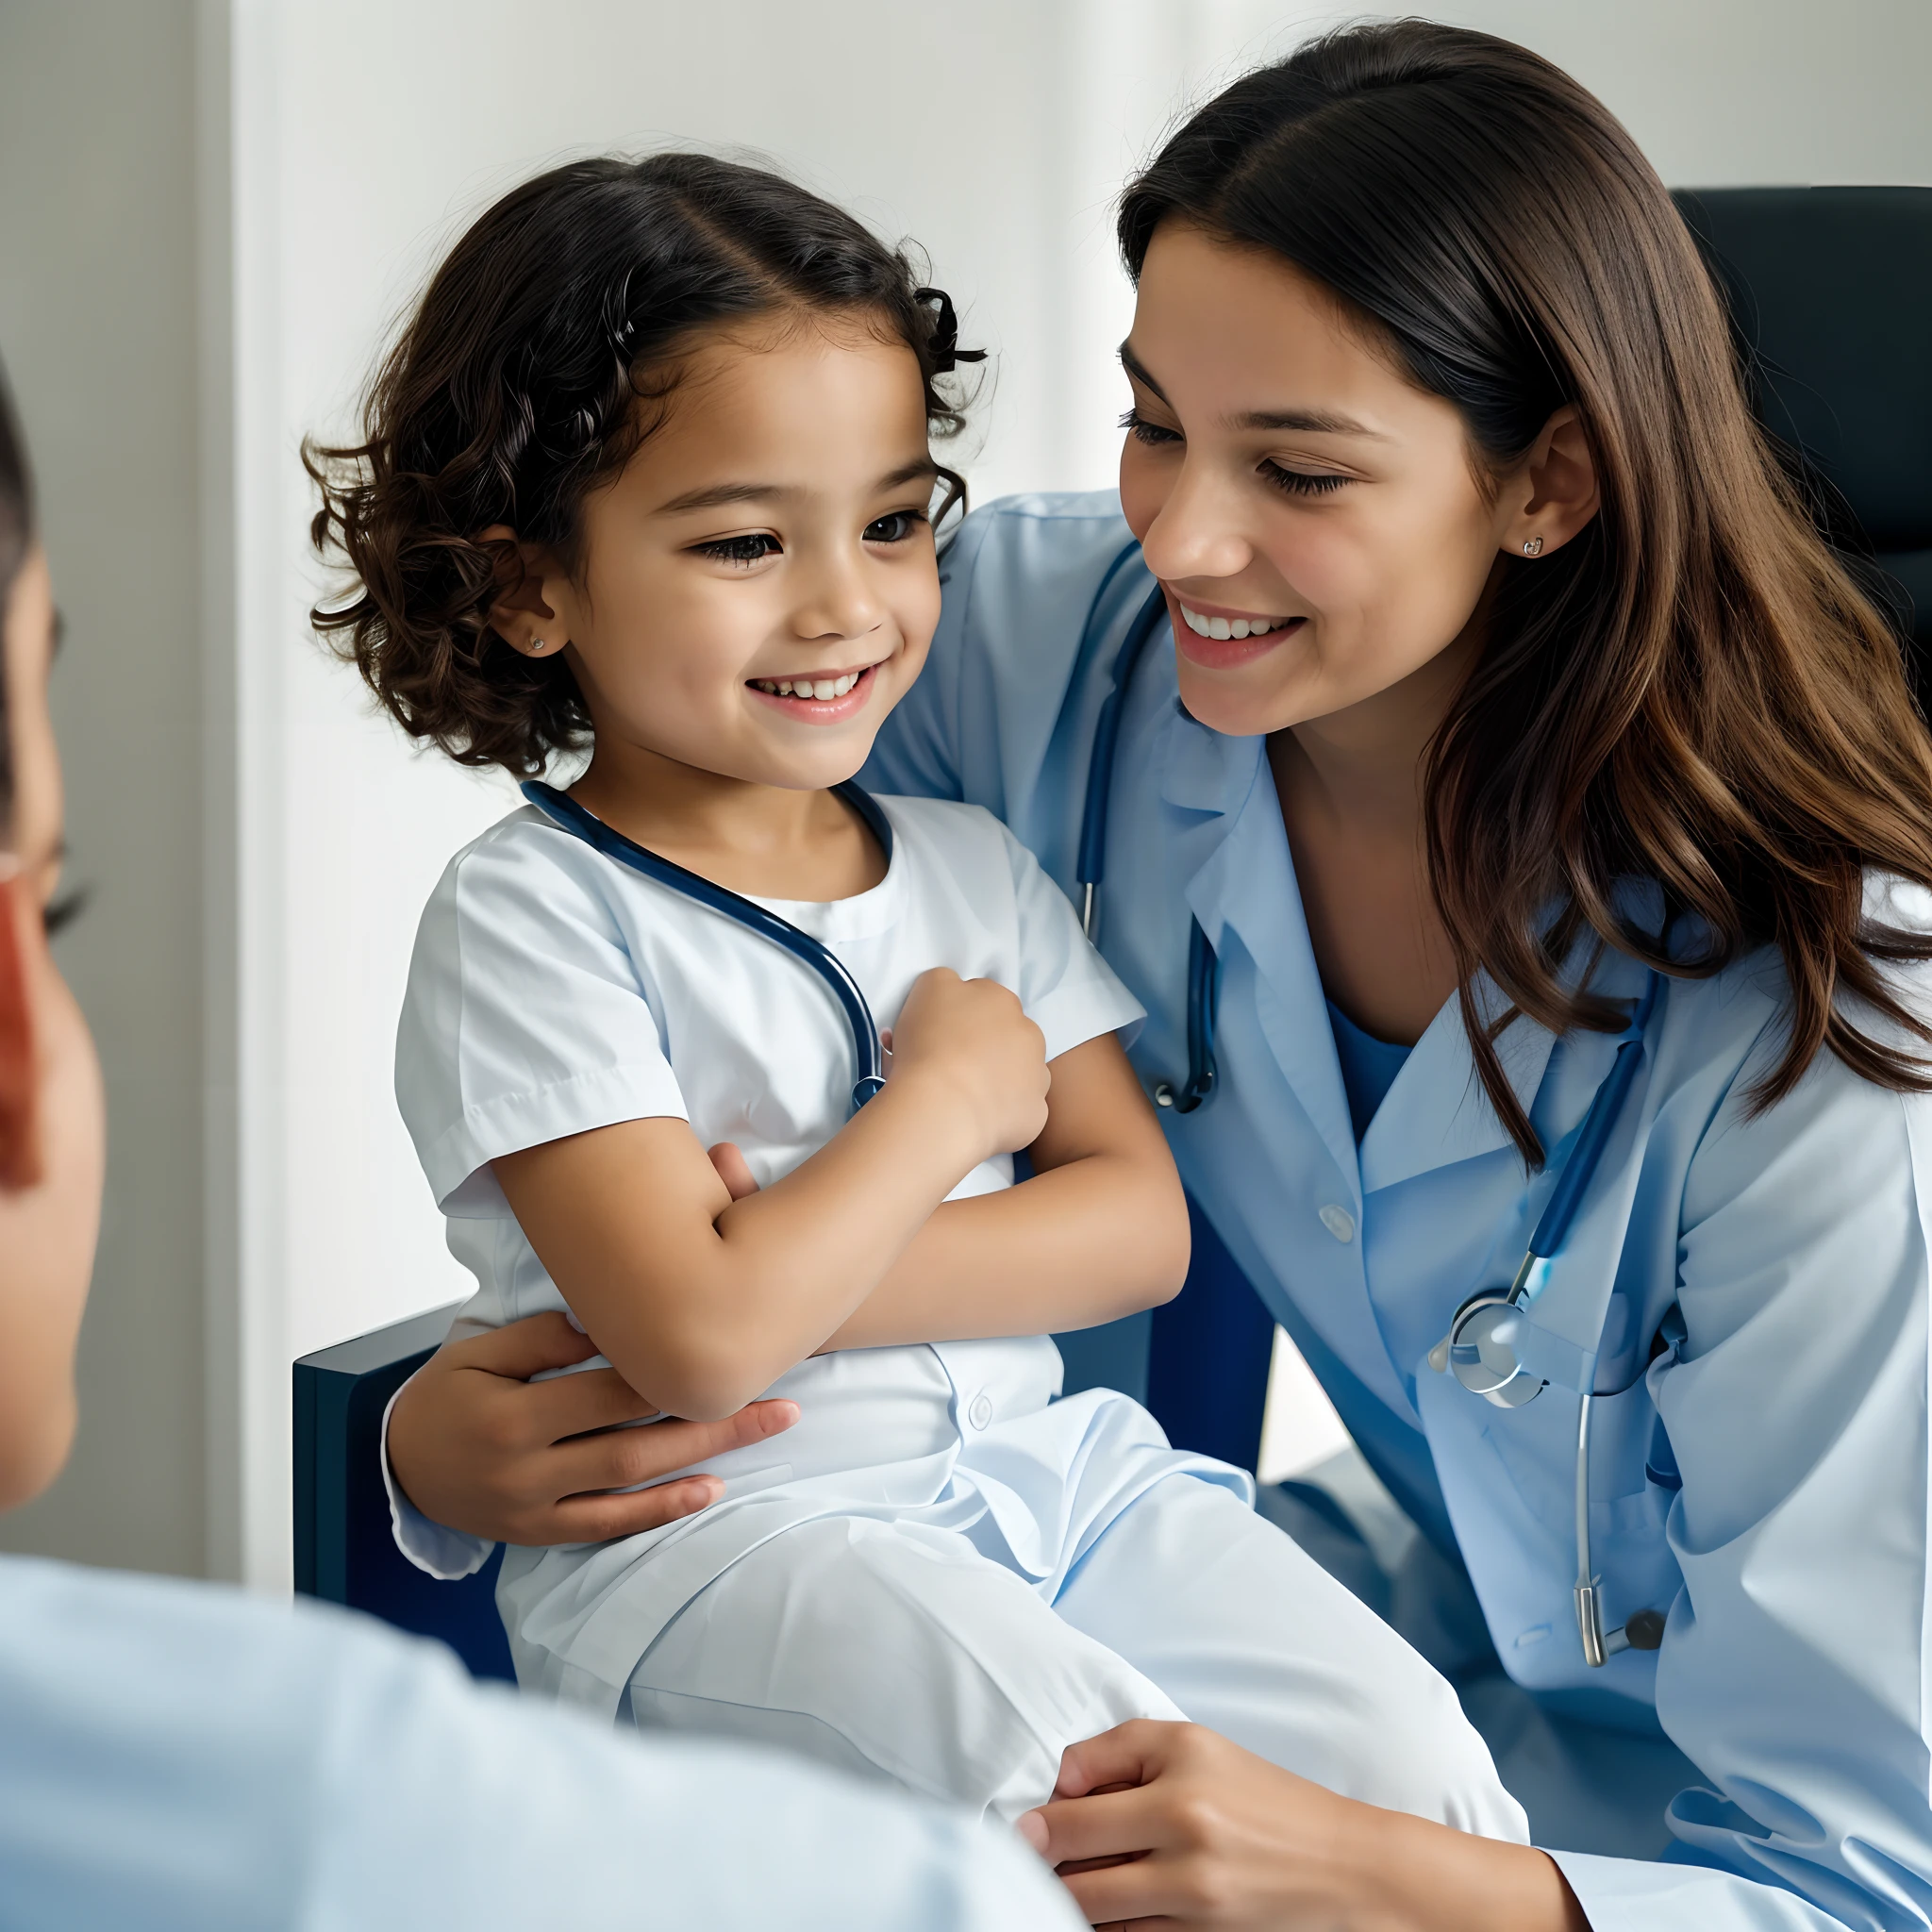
x: 649, y: 471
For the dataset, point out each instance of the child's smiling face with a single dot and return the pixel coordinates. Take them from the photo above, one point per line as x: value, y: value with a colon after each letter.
x: 769, y: 537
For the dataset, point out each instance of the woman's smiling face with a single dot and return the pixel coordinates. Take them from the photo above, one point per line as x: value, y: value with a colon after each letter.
x: 1287, y: 482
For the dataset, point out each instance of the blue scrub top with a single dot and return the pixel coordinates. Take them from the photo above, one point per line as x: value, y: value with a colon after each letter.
x: 1369, y: 1067
x: 1784, y: 1252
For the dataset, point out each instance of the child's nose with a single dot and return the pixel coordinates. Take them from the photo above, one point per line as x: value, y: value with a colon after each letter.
x: 839, y: 603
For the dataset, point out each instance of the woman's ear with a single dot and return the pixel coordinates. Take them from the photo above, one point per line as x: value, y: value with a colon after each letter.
x: 20, y: 1139
x: 520, y: 616
x: 1553, y: 495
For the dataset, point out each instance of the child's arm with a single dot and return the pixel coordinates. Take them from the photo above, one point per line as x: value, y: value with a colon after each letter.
x: 700, y: 1302
x: 1099, y: 1231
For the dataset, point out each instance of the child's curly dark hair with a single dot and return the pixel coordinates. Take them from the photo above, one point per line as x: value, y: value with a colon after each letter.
x: 527, y: 374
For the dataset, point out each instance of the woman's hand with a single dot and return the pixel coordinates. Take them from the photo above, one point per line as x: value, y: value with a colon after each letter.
x: 1171, y: 1825
x: 477, y: 1447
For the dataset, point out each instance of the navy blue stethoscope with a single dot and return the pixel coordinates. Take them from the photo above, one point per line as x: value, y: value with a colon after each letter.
x: 867, y: 1050
x: 1479, y: 1349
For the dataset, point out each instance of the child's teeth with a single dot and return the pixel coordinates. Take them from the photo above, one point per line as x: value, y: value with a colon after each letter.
x: 819, y: 688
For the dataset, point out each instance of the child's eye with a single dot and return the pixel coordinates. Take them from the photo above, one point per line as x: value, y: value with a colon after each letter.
x: 1138, y: 426
x: 742, y: 550
x: 894, y: 528
x: 1303, y: 482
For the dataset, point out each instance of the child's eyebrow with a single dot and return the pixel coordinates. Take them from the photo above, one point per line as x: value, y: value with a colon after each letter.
x: 719, y: 493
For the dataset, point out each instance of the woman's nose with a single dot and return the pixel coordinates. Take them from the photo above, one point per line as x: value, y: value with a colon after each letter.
x: 1197, y: 532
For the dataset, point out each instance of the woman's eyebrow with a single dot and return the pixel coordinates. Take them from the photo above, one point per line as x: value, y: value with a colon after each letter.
x: 1320, y: 422
x: 1317, y: 422
x: 719, y: 493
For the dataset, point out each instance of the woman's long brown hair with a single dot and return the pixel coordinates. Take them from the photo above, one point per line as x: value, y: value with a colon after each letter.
x: 1693, y: 694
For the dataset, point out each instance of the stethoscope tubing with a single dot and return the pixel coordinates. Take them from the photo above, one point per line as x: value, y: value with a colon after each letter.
x: 1090, y: 867
x: 868, y: 1051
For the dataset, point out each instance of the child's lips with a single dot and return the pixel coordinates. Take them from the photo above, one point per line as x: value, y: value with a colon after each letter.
x: 834, y: 710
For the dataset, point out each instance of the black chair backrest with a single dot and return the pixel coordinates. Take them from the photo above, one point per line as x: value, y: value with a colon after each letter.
x: 1831, y: 296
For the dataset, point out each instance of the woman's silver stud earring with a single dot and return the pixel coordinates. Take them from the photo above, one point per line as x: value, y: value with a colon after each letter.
x: 1532, y: 546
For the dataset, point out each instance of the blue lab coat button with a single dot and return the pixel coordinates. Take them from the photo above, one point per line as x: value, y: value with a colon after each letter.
x: 1338, y: 1220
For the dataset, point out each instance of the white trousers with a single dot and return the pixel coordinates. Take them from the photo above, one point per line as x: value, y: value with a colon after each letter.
x: 897, y: 1650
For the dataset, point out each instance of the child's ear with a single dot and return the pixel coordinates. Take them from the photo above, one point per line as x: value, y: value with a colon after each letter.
x: 20, y: 1139
x: 520, y: 616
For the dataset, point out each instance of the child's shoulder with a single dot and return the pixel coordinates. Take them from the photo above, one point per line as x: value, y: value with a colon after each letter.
x: 949, y: 833
x: 940, y: 818
x: 974, y: 852
x: 525, y: 859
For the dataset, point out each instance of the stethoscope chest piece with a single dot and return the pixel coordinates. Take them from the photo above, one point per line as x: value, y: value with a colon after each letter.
x: 1480, y: 1351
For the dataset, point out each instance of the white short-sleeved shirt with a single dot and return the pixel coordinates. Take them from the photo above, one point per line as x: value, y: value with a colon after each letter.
x: 553, y: 990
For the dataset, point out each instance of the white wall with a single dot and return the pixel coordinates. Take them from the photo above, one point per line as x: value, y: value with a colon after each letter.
x: 339, y: 147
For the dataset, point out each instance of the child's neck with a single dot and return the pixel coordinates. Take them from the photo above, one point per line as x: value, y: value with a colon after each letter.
x: 764, y: 840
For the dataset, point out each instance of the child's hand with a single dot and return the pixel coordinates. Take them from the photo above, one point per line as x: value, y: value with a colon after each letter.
x: 974, y: 1036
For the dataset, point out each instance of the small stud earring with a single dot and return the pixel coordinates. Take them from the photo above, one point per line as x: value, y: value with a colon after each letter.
x: 1532, y: 546
x: 539, y: 644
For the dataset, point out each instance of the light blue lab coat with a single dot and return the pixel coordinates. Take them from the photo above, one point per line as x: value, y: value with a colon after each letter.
x: 1763, y: 1480
x: 183, y: 1758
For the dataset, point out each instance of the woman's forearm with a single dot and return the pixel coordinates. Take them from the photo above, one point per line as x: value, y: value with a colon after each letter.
x: 1084, y: 1244
x: 1413, y: 1874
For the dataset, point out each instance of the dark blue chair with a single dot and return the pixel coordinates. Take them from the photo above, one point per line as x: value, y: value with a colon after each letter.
x: 1200, y: 1363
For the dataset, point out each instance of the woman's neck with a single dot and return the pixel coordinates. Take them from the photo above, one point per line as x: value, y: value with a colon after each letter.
x: 770, y: 840
x: 1351, y: 787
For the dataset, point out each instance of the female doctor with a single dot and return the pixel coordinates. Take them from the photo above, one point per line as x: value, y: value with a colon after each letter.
x: 1526, y: 858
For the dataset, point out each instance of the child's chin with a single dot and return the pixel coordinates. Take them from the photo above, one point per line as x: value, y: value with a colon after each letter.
x: 835, y: 764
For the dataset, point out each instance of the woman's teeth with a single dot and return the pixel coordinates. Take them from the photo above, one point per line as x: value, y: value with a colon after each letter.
x: 819, y: 688
x: 1226, y: 627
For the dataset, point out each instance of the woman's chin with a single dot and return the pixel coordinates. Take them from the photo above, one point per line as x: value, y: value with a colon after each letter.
x: 1240, y: 707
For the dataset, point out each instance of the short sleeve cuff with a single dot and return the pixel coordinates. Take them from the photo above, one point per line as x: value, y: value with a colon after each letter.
x: 1083, y: 1008
x: 602, y: 1097
x: 447, y: 1554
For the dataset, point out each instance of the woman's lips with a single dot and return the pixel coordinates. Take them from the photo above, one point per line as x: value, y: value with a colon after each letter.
x: 1224, y: 654
x: 821, y: 710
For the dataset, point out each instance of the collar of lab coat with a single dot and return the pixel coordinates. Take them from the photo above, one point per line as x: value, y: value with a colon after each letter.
x: 1436, y: 1112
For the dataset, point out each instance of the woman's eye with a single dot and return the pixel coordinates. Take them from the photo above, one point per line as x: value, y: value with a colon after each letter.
x: 1303, y: 482
x: 1138, y: 426
x: 894, y: 528
x: 741, y: 550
